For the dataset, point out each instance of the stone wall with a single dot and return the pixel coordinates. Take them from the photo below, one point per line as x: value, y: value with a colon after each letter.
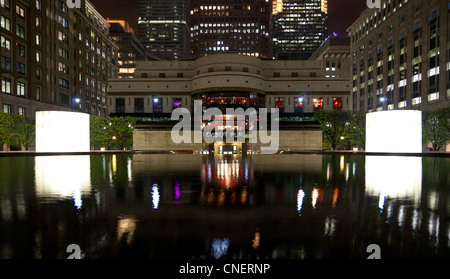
x: 157, y: 140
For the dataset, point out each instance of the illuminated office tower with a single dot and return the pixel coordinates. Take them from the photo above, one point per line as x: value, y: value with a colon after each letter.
x: 163, y: 28
x: 224, y: 26
x: 400, y: 56
x: 299, y: 28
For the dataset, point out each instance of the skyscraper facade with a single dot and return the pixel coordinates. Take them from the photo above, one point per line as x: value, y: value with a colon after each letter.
x: 163, y: 28
x: 242, y: 27
x: 130, y: 48
x: 400, y: 56
x: 299, y: 28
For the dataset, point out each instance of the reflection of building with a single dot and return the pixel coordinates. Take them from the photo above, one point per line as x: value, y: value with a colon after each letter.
x: 54, y: 58
x: 299, y: 28
x: 230, y: 27
x: 400, y: 56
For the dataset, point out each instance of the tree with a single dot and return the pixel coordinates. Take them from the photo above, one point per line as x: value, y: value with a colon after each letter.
x: 25, y: 130
x: 334, y: 125
x: 17, y: 130
x: 120, y: 131
x: 357, y: 129
x: 98, y: 133
x: 6, y: 128
x: 436, y: 127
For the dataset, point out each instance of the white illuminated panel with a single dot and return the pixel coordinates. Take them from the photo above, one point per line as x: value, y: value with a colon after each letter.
x: 63, y: 177
x: 60, y: 131
x: 394, y: 177
x: 394, y: 131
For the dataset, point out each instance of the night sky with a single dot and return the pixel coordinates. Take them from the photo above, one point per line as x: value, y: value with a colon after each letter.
x: 341, y: 13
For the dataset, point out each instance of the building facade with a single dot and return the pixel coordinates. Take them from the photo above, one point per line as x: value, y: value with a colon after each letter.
x: 335, y: 55
x: 242, y: 27
x: 130, y: 48
x: 54, y: 58
x: 401, y: 57
x: 229, y: 80
x: 163, y: 28
x: 299, y: 28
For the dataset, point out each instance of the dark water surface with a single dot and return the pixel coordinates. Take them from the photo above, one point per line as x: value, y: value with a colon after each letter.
x: 195, y: 207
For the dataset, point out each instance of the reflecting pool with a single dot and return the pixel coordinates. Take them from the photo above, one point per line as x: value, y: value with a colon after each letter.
x: 158, y: 206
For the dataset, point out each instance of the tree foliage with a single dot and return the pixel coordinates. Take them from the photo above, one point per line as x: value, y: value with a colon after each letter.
x: 342, y: 128
x: 112, y: 132
x: 334, y: 125
x: 357, y: 129
x: 17, y: 130
x: 436, y: 127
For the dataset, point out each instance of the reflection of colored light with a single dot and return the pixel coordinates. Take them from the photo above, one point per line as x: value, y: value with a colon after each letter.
x: 300, y: 196
x: 314, y: 195
x: 257, y: 240
x: 244, y: 195
x: 114, y: 163
x: 177, y: 192
x: 155, y: 196
x: 335, y: 197
x: 219, y: 247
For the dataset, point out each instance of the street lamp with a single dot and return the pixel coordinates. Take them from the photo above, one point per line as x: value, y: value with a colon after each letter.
x: 75, y: 100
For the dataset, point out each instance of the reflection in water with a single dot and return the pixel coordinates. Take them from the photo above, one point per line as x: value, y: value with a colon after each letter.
x: 177, y: 193
x: 316, y: 196
x: 126, y: 226
x: 330, y: 227
x: 219, y: 247
x: 155, y: 196
x: 304, y: 206
x: 300, y: 197
x: 225, y: 181
x: 256, y: 240
x: 63, y: 177
x: 394, y: 177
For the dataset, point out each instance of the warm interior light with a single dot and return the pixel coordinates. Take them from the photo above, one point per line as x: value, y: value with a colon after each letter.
x: 277, y: 7
x: 395, y: 131
x: 61, y: 131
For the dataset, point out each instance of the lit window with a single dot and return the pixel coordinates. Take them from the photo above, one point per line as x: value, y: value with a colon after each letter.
x: 279, y: 103
x: 176, y: 103
x: 318, y: 103
x: 337, y: 103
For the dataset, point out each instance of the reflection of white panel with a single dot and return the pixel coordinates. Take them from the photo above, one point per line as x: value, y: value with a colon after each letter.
x: 394, y: 131
x: 62, y: 176
x: 61, y: 131
x: 394, y: 177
